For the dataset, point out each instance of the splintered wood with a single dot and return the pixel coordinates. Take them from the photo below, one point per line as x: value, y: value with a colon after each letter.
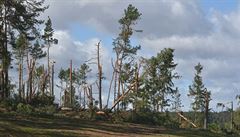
x: 186, y: 119
x: 122, y: 96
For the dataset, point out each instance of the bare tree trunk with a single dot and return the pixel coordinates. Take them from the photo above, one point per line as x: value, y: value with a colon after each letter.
x: 115, y: 84
x: 84, y: 98
x: 44, y: 81
x: 136, y: 88
x: 31, y: 66
x: 206, y: 111
x: 23, y: 91
x: 20, y: 80
x: 99, y: 76
x: 90, y: 100
x: 71, y: 94
x: 110, y: 87
x: 48, y: 67
x: 119, y: 80
x: 117, y: 76
x: 80, y: 97
x: 28, y: 69
x: 5, y: 58
x: 65, y: 98
x: 52, y: 85
x: 1, y: 87
x: 32, y: 78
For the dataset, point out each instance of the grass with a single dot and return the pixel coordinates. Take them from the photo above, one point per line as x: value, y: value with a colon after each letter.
x: 26, y: 126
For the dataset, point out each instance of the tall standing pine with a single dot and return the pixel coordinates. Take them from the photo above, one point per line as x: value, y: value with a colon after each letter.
x: 48, y: 38
x: 122, y: 46
x: 200, y: 94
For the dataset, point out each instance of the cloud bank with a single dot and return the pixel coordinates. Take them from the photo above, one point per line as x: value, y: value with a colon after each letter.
x: 211, y: 39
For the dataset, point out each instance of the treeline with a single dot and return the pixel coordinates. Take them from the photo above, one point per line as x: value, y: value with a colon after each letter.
x: 144, y: 86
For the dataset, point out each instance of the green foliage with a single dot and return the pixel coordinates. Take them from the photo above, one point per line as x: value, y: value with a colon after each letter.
x: 214, y: 127
x: 7, y: 104
x: 197, y: 89
x: 24, y: 109
x: 20, y: 48
x: 152, y: 118
x: 64, y: 75
x: 81, y: 74
x: 158, y: 82
x: 124, y: 50
x: 48, y: 31
x: 122, y: 45
x: 176, y: 104
x: 201, y: 96
x: 36, y: 51
x: 79, y: 78
x: 67, y: 96
x: 42, y: 100
x: 46, y: 110
x: 11, y: 103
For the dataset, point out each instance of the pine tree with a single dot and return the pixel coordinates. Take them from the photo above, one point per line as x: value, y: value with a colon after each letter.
x: 159, y: 79
x: 200, y: 94
x: 16, y: 17
x: 122, y: 46
x: 36, y: 51
x: 81, y: 75
x: 177, y: 103
x: 20, y: 51
x: 49, y: 40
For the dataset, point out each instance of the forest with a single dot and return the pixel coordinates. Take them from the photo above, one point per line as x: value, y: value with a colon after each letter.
x: 141, y: 97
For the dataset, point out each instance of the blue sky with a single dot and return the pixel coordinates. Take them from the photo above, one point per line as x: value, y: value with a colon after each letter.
x: 205, y: 31
x: 224, y: 6
x: 84, y: 32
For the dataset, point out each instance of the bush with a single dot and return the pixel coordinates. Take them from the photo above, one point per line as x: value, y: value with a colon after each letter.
x: 46, y: 110
x: 214, y: 127
x: 148, y: 118
x: 42, y: 100
x: 24, y: 109
x: 9, y: 104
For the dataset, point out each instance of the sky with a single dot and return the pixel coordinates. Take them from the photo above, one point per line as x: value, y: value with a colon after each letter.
x: 205, y: 31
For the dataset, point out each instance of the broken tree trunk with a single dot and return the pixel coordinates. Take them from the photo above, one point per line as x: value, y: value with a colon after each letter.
x: 20, y: 81
x: 122, y: 96
x: 186, y: 119
x: 71, y: 94
x: 99, y: 76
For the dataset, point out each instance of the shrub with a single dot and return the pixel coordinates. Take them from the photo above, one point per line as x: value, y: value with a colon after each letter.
x: 46, y: 110
x: 214, y: 127
x: 24, y: 109
x: 42, y: 100
x: 9, y: 104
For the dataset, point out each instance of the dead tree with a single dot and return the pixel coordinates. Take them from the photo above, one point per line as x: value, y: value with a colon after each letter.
x: 100, y: 77
x: 110, y: 87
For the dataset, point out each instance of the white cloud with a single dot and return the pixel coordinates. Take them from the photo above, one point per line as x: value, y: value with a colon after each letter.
x: 217, y: 51
x: 79, y: 52
x: 159, y: 17
x: 179, y: 24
